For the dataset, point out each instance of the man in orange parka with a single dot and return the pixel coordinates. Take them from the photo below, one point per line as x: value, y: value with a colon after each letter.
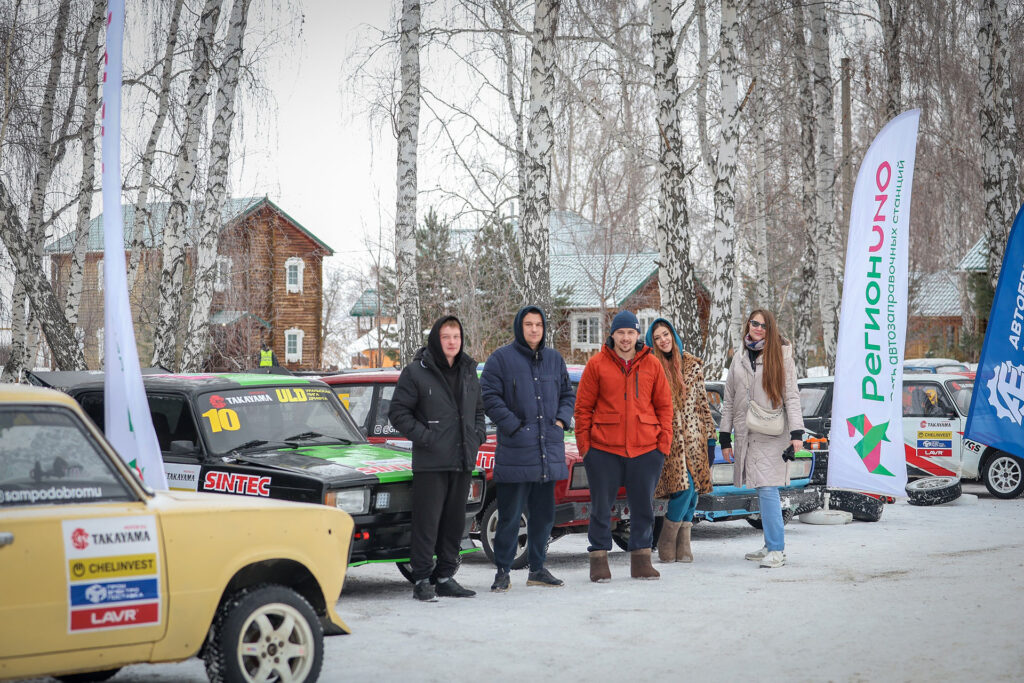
x: 623, y: 429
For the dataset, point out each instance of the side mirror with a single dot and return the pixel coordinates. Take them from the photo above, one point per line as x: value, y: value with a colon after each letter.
x: 184, y: 448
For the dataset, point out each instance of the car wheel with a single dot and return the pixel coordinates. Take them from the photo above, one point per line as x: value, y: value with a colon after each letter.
x: 262, y: 633
x: 88, y: 677
x: 863, y: 507
x: 489, y: 527
x: 933, y: 490
x: 1004, y: 476
x: 787, y: 515
x: 405, y: 569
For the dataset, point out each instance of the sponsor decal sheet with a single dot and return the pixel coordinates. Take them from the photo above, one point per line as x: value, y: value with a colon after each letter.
x: 996, y: 417
x: 113, y: 570
x: 866, y: 450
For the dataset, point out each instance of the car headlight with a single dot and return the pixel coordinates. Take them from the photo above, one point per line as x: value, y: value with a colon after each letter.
x: 352, y: 501
x: 800, y: 469
x: 721, y: 474
x: 476, y: 490
x: 579, y: 477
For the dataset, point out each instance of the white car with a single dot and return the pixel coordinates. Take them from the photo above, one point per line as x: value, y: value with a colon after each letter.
x: 935, y: 410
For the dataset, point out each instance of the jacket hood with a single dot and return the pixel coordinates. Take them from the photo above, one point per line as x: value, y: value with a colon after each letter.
x: 649, y: 338
x: 517, y: 326
x: 434, y: 341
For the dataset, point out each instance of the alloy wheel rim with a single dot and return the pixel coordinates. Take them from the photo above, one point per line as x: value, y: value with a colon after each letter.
x: 276, y: 645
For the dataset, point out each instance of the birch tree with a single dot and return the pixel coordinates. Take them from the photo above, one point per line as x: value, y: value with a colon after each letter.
x: 675, y: 270
x: 193, y: 353
x: 539, y: 143
x: 410, y: 329
x: 759, y: 123
x: 1000, y: 179
x: 892, y: 13
x: 825, y: 231
x: 804, y: 318
x: 172, y: 273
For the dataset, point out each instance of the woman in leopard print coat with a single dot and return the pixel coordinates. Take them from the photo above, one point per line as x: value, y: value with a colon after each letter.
x: 686, y: 472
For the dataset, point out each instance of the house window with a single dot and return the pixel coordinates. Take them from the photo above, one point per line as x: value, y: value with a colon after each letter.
x: 293, y: 345
x: 293, y: 268
x: 100, y: 351
x: 99, y: 275
x: 586, y: 331
x: 646, y: 316
x: 222, y: 271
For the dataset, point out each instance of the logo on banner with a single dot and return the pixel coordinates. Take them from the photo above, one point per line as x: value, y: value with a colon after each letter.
x: 869, y: 448
x: 1006, y: 391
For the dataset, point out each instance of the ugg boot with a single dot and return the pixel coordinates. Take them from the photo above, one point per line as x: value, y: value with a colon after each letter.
x: 667, y: 541
x: 640, y: 565
x: 599, y: 572
x: 683, y: 551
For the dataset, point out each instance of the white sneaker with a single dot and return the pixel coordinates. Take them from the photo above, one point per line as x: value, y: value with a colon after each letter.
x: 757, y: 555
x: 774, y: 559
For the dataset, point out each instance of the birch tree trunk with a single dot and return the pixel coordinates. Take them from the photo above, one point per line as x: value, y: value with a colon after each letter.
x: 1000, y: 175
x: 825, y: 215
x: 540, y: 138
x: 87, y: 186
x: 719, y: 337
x: 60, y: 336
x: 892, y: 13
x: 410, y: 329
x: 194, y: 351
x: 22, y: 351
x: 675, y: 271
x: 759, y: 122
x: 172, y: 273
x: 806, y: 301
x: 143, y: 215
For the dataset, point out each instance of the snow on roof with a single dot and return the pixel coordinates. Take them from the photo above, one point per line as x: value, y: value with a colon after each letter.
x: 976, y: 260
x: 369, y: 341
x: 618, y: 275
x: 937, y: 295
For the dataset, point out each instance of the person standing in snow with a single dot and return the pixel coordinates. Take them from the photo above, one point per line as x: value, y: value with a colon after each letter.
x: 623, y: 430
x: 762, y: 372
x: 527, y: 394
x: 686, y: 472
x: 437, y: 406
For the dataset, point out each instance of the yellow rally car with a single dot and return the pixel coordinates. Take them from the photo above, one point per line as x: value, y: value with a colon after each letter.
x: 97, y: 571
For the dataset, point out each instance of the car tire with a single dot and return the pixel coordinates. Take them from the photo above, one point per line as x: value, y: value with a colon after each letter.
x: 933, y: 490
x: 239, y: 641
x: 405, y: 569
x: 1003, y: 476
x: 89, y: 676
x: 863, y: 507
x: 787, y: 515
x: 489, y: 526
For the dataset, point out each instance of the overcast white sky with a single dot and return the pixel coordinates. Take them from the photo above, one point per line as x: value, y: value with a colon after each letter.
x: 321, y: 162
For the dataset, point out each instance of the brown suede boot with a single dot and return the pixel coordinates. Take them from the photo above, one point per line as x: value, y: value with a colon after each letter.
x: 667, y: 541
x: 683, y: 551
x: 599, y: 572
x: 640, y: 565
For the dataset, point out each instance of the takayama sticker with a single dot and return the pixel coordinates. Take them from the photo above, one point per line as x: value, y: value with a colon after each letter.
x: 182, y: 477
x: 113, y: 567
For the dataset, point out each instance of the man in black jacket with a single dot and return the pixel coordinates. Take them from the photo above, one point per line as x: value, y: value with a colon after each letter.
x: 437, y: 406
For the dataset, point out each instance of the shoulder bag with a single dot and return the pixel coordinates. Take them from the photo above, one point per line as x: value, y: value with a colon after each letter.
x: 768, y: 421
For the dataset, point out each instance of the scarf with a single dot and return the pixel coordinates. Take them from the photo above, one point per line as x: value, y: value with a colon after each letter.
x: 753, y: 345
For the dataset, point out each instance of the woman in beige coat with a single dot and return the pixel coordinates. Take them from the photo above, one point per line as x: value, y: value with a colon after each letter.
x: 763, y: 372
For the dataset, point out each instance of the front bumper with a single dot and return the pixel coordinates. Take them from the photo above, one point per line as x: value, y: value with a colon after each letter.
x: 742, y: 503
x: 382, y: 538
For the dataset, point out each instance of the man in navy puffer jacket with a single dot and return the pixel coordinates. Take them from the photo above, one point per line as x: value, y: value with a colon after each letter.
x: 526, y: 393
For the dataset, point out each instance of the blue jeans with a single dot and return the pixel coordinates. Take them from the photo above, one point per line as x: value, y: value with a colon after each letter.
x: 606, y: 472
x: 539, y: 500
x: 771, y: 517
x: 682, y: 504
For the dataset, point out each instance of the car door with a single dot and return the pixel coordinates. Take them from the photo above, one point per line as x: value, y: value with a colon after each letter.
x: 931, y: 429
x: 80, y: 551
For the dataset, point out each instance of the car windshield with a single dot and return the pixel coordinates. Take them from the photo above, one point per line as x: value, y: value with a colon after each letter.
x: 810, y: 400
x: 274, y: 417
x: 958, y: 367
x: 47, y: 458
x: 961, y: 390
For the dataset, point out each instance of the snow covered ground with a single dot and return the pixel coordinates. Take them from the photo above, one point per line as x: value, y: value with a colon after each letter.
x: 925, y: 594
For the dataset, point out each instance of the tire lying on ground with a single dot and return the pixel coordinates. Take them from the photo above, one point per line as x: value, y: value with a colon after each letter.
x: 787, y: 515
x: 933, y: 490
x: 863, y: 507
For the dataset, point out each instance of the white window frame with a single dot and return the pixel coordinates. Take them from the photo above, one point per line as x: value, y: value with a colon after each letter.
x: 298, y: 335
x: 646, y: 316
x: 300, y: 265
x: 99, y: 275
x: 221, y: 273
x: 591, y: 343
x: 99, y: 345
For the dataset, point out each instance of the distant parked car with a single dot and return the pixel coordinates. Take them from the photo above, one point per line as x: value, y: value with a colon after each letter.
x: 914, y: 366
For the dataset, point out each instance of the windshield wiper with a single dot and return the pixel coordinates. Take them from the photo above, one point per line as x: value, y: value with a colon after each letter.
x: 317, y: 435
x: 258, y: 442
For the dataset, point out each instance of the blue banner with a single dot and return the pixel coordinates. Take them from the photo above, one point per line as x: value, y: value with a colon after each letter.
x: 997, y: 407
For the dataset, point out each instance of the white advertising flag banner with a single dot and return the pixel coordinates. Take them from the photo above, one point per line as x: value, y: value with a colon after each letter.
x: 866, y: 450
x: 129, y: 426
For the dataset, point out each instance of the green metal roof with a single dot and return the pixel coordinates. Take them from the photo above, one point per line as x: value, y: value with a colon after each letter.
x: 233, y: 210
x: 366, y: 304
x: 976, y: 260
